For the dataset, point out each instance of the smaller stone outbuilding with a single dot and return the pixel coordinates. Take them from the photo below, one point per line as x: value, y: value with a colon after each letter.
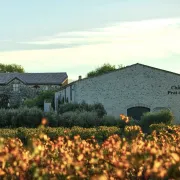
x: 131, y: 90
x: 19, y: 86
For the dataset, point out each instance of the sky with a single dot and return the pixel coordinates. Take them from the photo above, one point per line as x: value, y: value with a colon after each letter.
x: 77, y: 36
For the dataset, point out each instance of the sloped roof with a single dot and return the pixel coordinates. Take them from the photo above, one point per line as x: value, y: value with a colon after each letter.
x: 34, y: 78
x: 119, y: 69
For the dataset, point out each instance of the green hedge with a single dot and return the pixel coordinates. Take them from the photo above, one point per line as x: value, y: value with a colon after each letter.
x: 78, y: 118
x: 166, y: 117
x: 22, y: 117
x: 98, y: 108
x: 31, y: 118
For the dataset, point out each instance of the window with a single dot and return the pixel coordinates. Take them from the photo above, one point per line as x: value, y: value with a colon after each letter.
x: 16, y: 87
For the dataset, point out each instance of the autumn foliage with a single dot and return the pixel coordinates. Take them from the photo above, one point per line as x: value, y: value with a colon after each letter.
x: 156, y: 156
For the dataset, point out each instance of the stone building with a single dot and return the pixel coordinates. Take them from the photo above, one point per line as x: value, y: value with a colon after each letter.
x: 19, y: 86
x: 131, y: 90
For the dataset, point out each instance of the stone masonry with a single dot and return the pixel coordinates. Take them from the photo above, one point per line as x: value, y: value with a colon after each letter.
x: 19, y: 87
x: 132, y: 86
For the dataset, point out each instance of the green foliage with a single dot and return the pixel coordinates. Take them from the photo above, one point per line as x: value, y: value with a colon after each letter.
x: 164, y: 116
x: 22, y: 117
x: 29, y: 117
x: 4, y: 68
x: 67, y: 107
x: 78, y: 118
x: 30, y: 103
x: 103, y: 69
x: 39, y: 100
x: 118, y: 122
x: 3, y: 118
x: 4, y: 99
x: 133, y: 122
x: 98, y: 108
x: 110, y: 121
x: 53, y: 118
x: 158, y: 127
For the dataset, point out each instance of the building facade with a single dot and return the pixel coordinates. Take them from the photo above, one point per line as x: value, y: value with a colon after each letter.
x: 19, y: 86
x: 132, y: 91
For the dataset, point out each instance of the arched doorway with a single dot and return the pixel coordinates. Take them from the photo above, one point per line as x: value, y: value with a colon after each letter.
x: 137, y: 112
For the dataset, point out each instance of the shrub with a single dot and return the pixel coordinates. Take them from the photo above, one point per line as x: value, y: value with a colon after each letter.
x: 133, y: 122
x: 30, y: 103
x: 67, y: 107
x: 67, y: 119
x: 87, y: 119
x: 119, y: 122
x: 78, y: 118
x: 8, y: 117
x: 4, y: 99
x: 109, y: 121
x: 22, y: 117
x: 158, y: 127
x: 164, y: 116
x: 12, y: 117
x: 39, y: 100
x: 52, y: 118
x: 29, y: 117
x: 98, y: 107
x: 3, y: 118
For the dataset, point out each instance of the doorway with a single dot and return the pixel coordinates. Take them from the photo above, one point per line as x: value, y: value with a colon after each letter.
x: 137, y: 112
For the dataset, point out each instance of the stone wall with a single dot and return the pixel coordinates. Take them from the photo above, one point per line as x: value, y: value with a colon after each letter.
x: 66, y: 94
x: 24, y: 92
x: 132, y: 86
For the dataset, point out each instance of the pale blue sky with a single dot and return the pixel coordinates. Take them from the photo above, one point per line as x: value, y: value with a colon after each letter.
x: 78, y: 35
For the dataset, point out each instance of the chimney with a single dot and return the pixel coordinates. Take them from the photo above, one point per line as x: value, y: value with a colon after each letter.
x: 80, y: 77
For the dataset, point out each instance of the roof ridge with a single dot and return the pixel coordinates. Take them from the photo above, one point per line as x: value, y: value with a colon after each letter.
x: 34, y: 78
x: 122, y: 69
x: 167, y: 71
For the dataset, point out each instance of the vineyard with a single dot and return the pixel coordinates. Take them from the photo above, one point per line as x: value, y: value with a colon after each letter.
x: 74, y: 156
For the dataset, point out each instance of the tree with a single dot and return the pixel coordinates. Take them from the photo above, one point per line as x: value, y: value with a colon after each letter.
x: 103, y: 69
x: 38, y: 101
x: 5, y: 68
x: 4, y: 100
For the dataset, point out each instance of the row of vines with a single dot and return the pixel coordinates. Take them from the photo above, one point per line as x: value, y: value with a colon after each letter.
x: 134, y: 156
